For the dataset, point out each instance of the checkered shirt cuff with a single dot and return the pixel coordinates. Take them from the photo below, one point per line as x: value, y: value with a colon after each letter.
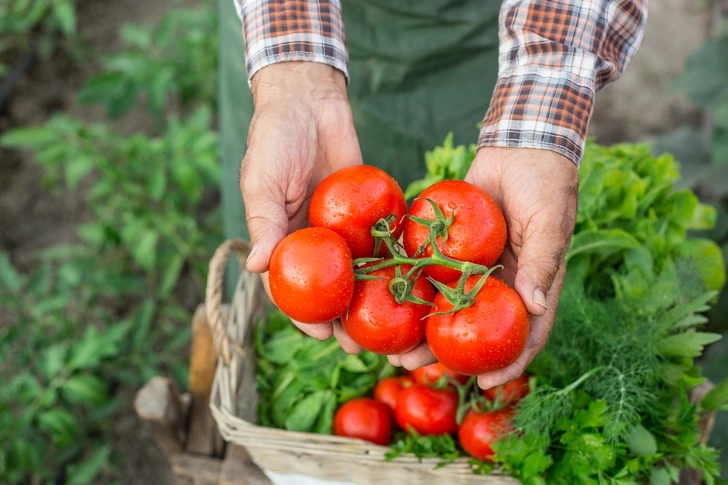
x: 293, y: 30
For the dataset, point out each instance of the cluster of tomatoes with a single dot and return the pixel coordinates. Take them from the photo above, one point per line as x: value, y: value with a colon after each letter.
x: 397, y: 277
x: 427, y: 403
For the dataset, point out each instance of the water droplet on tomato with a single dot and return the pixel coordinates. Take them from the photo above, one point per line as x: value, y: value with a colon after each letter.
x: 470, y: 319
x: 370, y: 199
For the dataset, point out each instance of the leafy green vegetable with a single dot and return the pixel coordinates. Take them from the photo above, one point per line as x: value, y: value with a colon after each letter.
x: 443, y: 163
x: 631, y: 220
x: 301, y: 380
x: 440, y: 446
x: 610, y: 401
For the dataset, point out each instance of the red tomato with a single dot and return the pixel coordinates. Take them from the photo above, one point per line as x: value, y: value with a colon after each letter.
x: 311, y: 275
x: 366, y: 419
x: 510, y: 392
x: 489, y: 335
x: 388, y: 390
x: 351, y: 200
x: 381, y: 325
x: 480, y: 430
x: 478, y: 233
x: 427, y: 410
x: 430, y: 374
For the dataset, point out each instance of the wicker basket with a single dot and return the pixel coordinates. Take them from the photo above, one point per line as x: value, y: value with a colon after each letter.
x: 234, y: 399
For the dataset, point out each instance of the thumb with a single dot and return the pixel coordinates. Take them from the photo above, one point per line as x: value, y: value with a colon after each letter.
x: 267, y: 222
x: 541, y: 257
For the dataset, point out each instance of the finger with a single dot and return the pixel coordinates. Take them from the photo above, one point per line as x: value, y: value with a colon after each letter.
x: 538, y: 263
x: 418, y: 357
x: 319, y: 331
x: 349, y: 346
x: 540, y: 329
x: 497, y: 378
x: 509, y: 264
x: 395, y: 360
x: 266, y: 218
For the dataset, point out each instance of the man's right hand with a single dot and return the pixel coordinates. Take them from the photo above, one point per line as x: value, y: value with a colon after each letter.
x: 302, y: 130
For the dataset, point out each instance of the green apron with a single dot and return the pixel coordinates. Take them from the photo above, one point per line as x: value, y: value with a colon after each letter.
x: 419, y: 69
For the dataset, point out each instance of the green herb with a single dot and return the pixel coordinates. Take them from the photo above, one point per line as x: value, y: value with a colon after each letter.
x: 611, y: 401
x: 302, y: 380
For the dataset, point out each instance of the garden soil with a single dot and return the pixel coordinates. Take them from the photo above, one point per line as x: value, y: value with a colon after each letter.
x: 639, y: 106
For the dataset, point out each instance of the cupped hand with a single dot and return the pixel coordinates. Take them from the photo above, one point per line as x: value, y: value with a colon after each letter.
x: 537, y: 191
x: 302, y: 130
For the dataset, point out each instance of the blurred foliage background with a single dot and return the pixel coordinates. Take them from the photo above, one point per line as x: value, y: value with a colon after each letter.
x: 121, y: 169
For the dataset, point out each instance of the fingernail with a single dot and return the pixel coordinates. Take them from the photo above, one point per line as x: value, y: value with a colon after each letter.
x: 539, y: 298
x: 252, y: 253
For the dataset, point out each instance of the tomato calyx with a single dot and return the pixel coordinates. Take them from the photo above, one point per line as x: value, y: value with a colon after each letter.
x: 439, y: 226
x: 401, y: 285
x: 457, y: 297
x: 382, y: 231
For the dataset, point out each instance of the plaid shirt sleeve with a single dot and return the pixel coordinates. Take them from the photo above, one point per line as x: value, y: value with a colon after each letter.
x: 293, y: 30
x: 554, y: 56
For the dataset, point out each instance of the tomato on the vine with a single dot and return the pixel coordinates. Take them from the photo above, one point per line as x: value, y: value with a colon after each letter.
x: 479, y: 431
x: 351, y: 200
x: 510, y: 392
x: 378, y: 323
x: 430, y: 374
x: 366, y: 419
x: 388, y: 390
x: 311, y: 275
x: 487, y: 336
x: 427, y: 410
x: 477, y: 234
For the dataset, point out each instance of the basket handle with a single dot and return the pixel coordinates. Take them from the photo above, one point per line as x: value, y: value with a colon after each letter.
x: 214, y: 291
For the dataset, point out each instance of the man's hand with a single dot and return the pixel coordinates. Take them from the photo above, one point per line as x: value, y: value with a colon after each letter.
x: 302, y: 130
x: 537, y: 191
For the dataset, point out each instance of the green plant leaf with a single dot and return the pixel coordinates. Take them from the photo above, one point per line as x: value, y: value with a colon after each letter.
x: 85, y: 472
x: 325, y: 421
x: 660, y: 476
x: 304, y: 414
x: 76, y: 169
x: 93, y: 347
x: 171, y: 274
x: 93, y: 233
x: 27, y: 137
x: 716, y: 397
x: 64, y: 12
x: 143, y: 323
x: 145, y: 249
x: 688, y: 344
x: 53, y: 359
x: 85, y: 389
x: 709, y: 260
x: 60, y: 423
x: 641, y: 442
x: 9, y: 277
x: 136, y: 35
x: 602, y: 242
